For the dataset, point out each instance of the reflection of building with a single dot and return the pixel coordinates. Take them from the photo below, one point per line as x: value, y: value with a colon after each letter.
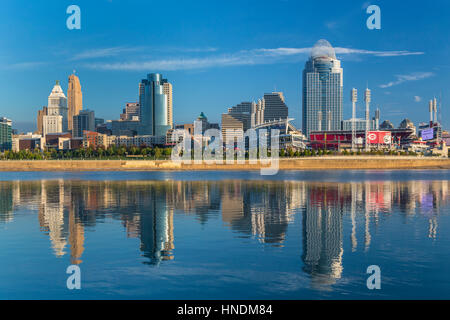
x: 261, y: 211
x: 156, y: 231
x: 265, y: 215
x: 322, y: 235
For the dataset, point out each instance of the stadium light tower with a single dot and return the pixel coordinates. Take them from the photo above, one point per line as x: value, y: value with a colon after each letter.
x: 354, y: 98
x: 368, y: 99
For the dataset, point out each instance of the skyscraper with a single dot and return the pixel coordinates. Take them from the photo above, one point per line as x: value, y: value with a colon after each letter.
x: 154, y: 106
x: 5, y: 134
x: 322, y: 89
x: 84, y: 121
x: 167, y: 87
x: 56, y: 119
x: 74, y: 98
x: 40, y: 120
x: 275, y: 106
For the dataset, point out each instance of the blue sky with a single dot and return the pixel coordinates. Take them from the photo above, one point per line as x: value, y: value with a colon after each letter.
x: 219, y: 53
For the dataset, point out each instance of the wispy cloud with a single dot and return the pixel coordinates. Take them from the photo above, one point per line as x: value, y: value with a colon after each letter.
x: 25, y: 65
x: 103, y: 53
x: 417, y: 99
x: 241, y: 58
x: 408, y: 77
x: 118, y: 51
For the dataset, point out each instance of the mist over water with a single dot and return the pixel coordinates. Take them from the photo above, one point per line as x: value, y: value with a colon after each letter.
x: 217, y: 236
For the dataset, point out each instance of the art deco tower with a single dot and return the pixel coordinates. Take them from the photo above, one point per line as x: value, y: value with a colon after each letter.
x: 74, y: 99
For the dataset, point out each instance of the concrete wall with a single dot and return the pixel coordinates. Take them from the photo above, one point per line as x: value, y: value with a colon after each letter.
x: 319, y: 163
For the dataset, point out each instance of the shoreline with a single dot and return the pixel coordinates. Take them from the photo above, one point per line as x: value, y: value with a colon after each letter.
x: 316, y: 163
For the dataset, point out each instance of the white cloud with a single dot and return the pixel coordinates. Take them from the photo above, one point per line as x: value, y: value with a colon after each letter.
x: 408, y: 77
x: 117, y: 51
x: 417, y: 99
x: 102, y: 53
x: 244, y: 57
x: 25, y: 65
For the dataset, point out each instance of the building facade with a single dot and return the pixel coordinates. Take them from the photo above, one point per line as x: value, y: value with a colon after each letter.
x: 167, y: 88
x: 322, y: 90
x: 275, y: 107
x: 84, y: 121
x: 5, y: 134
x: 56, y: 120
x: 74, y: 98
x: 132, y: 111
x: 154, y: 106
x: 40, y: 120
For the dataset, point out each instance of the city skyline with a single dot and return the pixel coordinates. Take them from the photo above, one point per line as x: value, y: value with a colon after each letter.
x: 214, y: 72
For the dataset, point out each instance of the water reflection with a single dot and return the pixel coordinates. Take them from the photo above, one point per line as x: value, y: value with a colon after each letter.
x: 257, y: 210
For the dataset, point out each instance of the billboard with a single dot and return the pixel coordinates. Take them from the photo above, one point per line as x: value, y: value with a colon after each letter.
x: 379, y: 137
x: 427, y: 134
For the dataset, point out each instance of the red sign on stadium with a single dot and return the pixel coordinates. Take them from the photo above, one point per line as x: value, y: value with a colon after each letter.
x: 379, y: 137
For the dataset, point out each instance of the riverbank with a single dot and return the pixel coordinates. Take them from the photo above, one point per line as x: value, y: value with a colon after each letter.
x: 315, y: 163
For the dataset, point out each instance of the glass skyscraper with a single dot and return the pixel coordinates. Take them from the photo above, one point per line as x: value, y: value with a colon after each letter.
x: 322, y: 90
x: 5, y: 134
x: 154, y: 106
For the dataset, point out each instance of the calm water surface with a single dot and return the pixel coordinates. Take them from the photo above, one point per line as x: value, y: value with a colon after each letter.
x: 225, y: 235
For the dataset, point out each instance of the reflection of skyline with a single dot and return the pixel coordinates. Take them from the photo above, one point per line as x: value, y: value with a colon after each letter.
x: 259, y: 210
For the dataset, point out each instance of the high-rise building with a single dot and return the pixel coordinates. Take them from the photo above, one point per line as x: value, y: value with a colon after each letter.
x: 56, y: 119
x: 322, y: 90
x: 167, y: 87
x: 5, y: 134
x: 231, y: 126
x: 131, y: 112
x: 40, y: 120
x: 84, y: 121
x: 275, y: 107
x: 154, y: 106
x: 75, y: 99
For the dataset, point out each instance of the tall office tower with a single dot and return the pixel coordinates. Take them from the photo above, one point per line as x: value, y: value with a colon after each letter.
x: 40, y: 120
x: 260, y: 107
x: 5, y: 134
x: 56, y: 119
x: 84, y: 121
x: 275, y: 107
x: 154, y: 106
x: 75, y: 99
x: 244, y: 112
x: 167, y: 88
x: 322, y: 88
x: 231, y: 124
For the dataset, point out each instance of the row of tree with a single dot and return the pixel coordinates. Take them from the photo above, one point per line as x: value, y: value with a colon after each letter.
x: 156, y: 153
x: 111, y: 152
